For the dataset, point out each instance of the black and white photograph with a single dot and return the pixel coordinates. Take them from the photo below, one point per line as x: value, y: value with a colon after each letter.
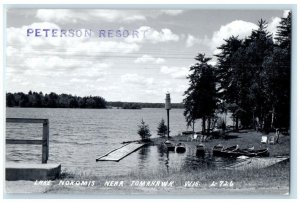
x: 148, y: 101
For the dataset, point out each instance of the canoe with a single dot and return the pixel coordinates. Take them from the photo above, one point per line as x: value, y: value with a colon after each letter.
x: 200, y: 151
x: 180, y: 148
x: 170, y: 146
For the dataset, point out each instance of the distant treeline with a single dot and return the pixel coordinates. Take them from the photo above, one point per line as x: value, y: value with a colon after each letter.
x: 53, y: 100
x: 138, y: 105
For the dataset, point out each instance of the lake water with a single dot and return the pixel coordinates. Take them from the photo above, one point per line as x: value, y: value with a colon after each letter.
x: 79, y: 136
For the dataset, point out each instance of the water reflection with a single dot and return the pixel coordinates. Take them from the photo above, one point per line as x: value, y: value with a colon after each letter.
x: 160, y: 158
x: 143, y: 155
x: 164, y: 155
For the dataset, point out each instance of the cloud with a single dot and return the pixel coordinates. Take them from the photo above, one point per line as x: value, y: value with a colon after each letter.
x: 175, y: 72
x: 149, y: 59
x: 92, y: 71
x: 148, y: 34
x: 107, y: 15
x: 59, y: 62
x: 18, y: 36
x: 238, y: 28
x: 272, y: 26
x: 172, y: 12
x: 58, y: 15
x: 191, y: 41
x: 285, y: 13
x: 133, y: 78
x: 98, y: 48
x: 21, y: 46
x: 73, y: 16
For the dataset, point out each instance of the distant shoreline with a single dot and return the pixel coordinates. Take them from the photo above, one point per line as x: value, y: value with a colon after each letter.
x: 108, y: 107
x: 53, y: 100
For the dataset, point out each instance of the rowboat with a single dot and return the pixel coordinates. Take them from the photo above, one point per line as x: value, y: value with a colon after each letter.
x: 180, y: 148
x: 200, y: 150
x: 217, y: 149
x: 235, y: 151
x: 253, y: 153
x: 187, y: 132
x: 170, y: 146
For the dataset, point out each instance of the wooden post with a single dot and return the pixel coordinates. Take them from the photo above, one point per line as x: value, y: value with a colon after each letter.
x: 168, y: 121
x: 168, y: 107
x: 45, y: 146
x: 44, y: 141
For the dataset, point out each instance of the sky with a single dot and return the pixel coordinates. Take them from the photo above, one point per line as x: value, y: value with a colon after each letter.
x: 140, y: 67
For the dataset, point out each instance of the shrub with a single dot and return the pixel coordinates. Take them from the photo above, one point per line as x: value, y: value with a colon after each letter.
x: 144, y: 131
x: 162, y: 129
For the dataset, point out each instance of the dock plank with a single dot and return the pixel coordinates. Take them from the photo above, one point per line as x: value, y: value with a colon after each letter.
x: 120, y: 153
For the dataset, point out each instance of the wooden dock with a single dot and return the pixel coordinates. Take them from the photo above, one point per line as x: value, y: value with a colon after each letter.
x: 120, y: 153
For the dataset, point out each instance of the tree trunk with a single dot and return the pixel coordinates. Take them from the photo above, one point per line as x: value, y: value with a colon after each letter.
x: 203, y: 125
x: 193, y: 126
x: 236, y: 123
x: 272, y: 118
x: 209, y: 123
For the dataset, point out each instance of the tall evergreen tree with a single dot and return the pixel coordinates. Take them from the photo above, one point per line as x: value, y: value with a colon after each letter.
x: 227, y: 76
x: 200, y: 98
x: 278, y: 65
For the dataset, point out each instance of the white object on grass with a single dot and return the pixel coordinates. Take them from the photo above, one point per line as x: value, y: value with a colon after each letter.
x: 264, y: 139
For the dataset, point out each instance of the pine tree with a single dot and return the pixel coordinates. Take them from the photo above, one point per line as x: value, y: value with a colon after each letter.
x: 144, y: 131
x: 162, y: 129
x: 201, y: 96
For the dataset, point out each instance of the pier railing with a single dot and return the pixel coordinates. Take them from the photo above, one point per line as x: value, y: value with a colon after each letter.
x: 44, y: 141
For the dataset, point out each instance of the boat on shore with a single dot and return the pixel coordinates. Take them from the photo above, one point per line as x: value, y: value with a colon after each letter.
x: 170, y: 145
x: 180, y: 148
x: 235, y: 151
x: 220, y: 150
x: 251, y: 153
x: 217, y: 150
x: 200, y: 151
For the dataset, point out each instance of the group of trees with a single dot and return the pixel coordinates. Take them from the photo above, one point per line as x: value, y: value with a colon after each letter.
x: 251, y: 80
x: 53, y: 100
x: 144, y: 131
x: 120, y: 104
x: 127, y: 105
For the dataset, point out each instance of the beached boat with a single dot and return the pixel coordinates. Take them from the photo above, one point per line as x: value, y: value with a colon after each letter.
x: 252, y: 152
x: 235, y: 151
x: 217, y: 149
x: 187, y: 132
x: 231, y: 149
x: 170, y: 146
x: 180, y: 148
x: 200, y: 150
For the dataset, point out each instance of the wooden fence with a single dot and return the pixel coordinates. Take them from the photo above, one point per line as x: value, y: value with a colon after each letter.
x: 44, y: 141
